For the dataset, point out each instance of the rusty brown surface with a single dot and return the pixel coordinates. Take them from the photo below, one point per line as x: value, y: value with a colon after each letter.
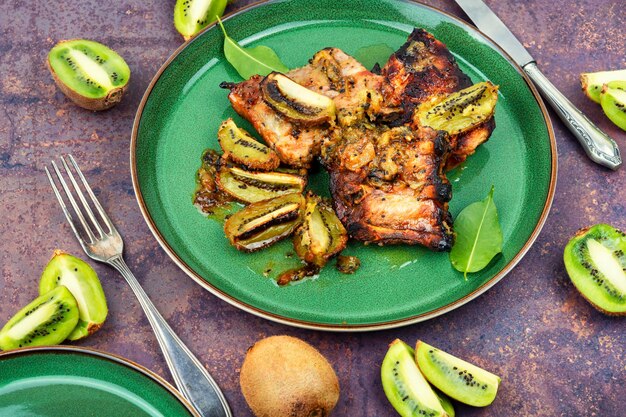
x: 556, y: 354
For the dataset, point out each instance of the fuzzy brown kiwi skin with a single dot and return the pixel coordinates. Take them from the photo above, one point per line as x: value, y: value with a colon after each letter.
x: 94, y: 104
x: 314, y: 394
x: 579, y: 233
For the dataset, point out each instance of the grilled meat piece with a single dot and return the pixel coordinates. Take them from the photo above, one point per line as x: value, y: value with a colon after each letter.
x: 388, y: 185
x: 296, y: 145
x: 422, y: 68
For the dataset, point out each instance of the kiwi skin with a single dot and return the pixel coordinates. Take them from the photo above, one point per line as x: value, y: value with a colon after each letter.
x: 284, y: 376
x: 112, y: 98
x: 570, y: 270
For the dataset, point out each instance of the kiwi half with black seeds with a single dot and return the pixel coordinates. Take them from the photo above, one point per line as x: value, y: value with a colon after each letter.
x: 47, y: 320
x: 596, y: 263
x: 92, y: 75
x: 613, y: 101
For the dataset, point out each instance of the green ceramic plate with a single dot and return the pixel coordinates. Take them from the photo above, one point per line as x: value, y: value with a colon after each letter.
x: 77, y: 382
x: 183, y: 107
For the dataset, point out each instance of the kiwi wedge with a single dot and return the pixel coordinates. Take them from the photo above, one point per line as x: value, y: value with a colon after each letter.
x: 405, y: 386
x: 596, y: 264
x: 47, y: 320
x: 89, y: 73
x: 78, y: 277
x: 240, y: 147
x: 458, y: 379
x: 191, y: 16
x: 592, y: 82
x: 460, y: 111
x: 613, y: 102
x: 446, y: 403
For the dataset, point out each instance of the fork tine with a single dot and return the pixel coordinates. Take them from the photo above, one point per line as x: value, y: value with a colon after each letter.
x: 95, y: 201
x: 70, y: 197
x: 81, y: 197
x: 68, y: 216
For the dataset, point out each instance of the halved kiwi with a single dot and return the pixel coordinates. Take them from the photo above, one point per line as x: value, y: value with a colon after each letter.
x: 78, y: 277
x: 240, y: 147
x: 89, y: 73
x: 457, y: 378
x: 191, y: 16
x: 47, y: 320
x: 613, y: 101
x: 405, y: 386
x: 592, y: 82
x: 596, y: 264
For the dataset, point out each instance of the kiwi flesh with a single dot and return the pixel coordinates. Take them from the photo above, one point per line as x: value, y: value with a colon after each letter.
x: 613, y: 102
x: 47, y: 320
x: 446, y: 403
x: 285, y: 376
x: 191, y: 16
x: 405, y: 386
x: 82, y: 281
x: 592, y: 82
x: 457, y: 378
x: 92, y: 75
x: 596, y: 264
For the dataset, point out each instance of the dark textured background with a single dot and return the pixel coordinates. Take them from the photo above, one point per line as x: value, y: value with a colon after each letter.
x: 556, y: 355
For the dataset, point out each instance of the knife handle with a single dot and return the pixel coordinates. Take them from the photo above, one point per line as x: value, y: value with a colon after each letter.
x: 597, y: 144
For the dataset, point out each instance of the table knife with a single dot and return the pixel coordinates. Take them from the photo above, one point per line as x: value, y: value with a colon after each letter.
x: 597, y: 144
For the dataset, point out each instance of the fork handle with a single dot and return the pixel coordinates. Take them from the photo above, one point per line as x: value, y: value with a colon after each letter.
x: 191, y: 378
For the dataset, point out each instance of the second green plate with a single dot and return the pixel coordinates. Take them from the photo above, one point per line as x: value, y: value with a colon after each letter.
x: 183, y: 107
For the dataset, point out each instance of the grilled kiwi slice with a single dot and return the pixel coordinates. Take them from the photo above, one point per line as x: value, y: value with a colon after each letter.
x: 460, y: 111
x: 592, y: 82
x: 191, y: 16
x: 82, y: 281
x: 251, y: 187
x: 405, y: 386
x: 296, y: 102
x: 241, y: 148
x: 47, y: 320
x: 458, y: 379
x: 321, y: 235
x: 92, y: 75
x: 596, y: 264
x: 613, y: 101
x: 264, y: 223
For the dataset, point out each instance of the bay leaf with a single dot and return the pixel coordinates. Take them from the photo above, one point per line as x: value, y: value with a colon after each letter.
x: 478, y: 236
x: 253, y: 60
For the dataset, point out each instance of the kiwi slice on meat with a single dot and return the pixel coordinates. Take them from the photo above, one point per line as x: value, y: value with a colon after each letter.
x: 596, y: 264
x: 191, y: 16
x: 458, y: 379
x: 405, y: 386
x: 89, y: 73
x: 47, y: 320
x: 592, y: 82
x: 78, y: 277
x: 613, y: 101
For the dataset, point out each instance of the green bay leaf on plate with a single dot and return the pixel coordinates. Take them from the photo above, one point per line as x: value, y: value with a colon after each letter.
x: 478, y: 236
x: 251, y: 61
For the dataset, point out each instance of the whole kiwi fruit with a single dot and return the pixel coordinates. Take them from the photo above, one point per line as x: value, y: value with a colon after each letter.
x: 284, y: 376
x: 92, y: 75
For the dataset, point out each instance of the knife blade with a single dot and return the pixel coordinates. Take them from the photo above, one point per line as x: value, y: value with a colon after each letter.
x: 598, y: 145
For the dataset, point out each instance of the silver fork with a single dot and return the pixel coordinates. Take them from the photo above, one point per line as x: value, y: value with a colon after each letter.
x: 191, y: 378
